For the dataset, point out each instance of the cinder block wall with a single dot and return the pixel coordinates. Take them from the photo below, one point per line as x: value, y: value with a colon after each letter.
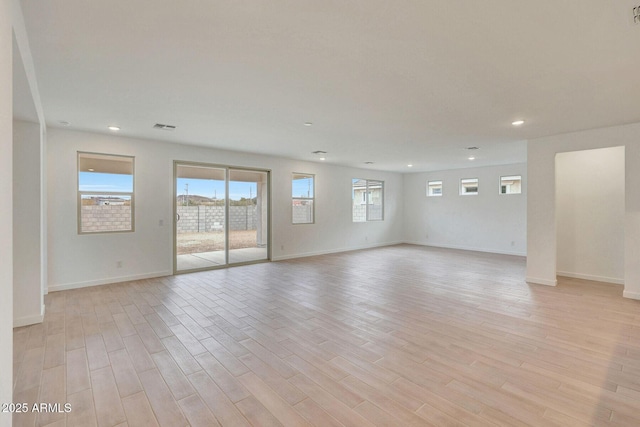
x: 194, y: 219
x: 106, y: 218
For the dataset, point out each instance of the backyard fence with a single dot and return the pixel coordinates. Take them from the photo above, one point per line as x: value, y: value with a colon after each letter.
x: 199, y: 219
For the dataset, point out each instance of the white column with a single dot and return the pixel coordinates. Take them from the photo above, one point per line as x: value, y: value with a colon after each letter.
x: 27, y: 250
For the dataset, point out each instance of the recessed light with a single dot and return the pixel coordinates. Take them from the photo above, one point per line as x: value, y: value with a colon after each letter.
x: 472, y: 158
x: 64, y: 123
x: 323, y: 158
x: 113, y: 128
x: 518, y: 123
x: 308, y: 123
x: 91, y: 169
x: 409, y: 166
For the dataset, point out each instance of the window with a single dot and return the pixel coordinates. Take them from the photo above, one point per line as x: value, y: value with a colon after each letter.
x: 302, y: 198
x: 469, y: 186
x: 511, y: 184
x: 434, y: 188
x: 368, y: 200
x: 105, y: 193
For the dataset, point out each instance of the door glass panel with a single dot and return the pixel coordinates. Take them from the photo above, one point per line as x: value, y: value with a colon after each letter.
x: 200, y: 226
x: 248, y: 224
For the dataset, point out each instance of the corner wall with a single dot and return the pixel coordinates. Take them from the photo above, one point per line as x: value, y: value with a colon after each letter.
x: 486, y: 222
x: 541, y: 209
x: 83, y: 260
x: 6, y: 209
x: 28, y: 300
x: 590, y: 214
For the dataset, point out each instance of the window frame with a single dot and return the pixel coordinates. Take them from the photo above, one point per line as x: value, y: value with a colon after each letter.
x: 81, y: 193
x: 368, y: 199
x: 312, y: 199
x: 429, y: 193
x: 465, y: 193
x: 519, y: 177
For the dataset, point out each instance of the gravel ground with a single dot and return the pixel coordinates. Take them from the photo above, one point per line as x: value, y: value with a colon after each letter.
x: 189, y: 243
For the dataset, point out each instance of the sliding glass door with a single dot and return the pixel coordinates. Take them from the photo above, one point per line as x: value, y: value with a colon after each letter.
x: 221, y: 216
x: 248, y: 203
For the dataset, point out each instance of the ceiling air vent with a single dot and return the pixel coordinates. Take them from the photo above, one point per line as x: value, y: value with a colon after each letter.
x: 473, y: 148
x: 164, y: 127
x: 319, y: 152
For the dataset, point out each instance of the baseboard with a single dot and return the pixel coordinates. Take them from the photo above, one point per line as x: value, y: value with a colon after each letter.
x: 591, y: 277
x: 29, y: 320
x: 539, y: 281
x: 466, y: 248
x: 631, y: 295
x: 107, y: 281
x: 334, y: 251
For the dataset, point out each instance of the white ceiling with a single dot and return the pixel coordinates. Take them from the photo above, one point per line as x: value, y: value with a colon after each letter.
x: 393, y: 82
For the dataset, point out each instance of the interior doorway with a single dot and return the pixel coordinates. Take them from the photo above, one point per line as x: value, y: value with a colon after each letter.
x: 221, y: 216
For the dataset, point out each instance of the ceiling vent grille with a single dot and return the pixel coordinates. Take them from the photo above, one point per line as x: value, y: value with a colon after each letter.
x: 473, y: 148
x: 164, y: 127
x: 319, y: 152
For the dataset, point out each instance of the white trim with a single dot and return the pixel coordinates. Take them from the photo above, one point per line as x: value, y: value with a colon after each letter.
x: 333, y: 251
x: 467, y: 248
x: 591, y: 277
x: 538, y: 281
x: 29, y: 320
x: 108, y: 281
x: 631, y: 295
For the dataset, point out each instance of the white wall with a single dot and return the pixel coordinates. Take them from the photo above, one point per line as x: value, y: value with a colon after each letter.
x: 541, y: 210
x: 590, y: 214
x: 6, y: 210
x: 81, y: 260
x: 488, y: 222
x: 28, y: 302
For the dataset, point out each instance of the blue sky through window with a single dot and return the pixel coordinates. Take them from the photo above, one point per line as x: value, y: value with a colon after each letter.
x: 302, y: 187
x: 106, y: 182
x: 215, y: 188
x: 109, y: 182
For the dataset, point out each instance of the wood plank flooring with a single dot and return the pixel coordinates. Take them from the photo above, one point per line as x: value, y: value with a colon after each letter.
x: 394, y: 336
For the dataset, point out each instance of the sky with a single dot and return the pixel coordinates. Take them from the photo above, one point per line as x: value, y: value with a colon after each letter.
x: 107, y: 182
x: 302, y: 187
x: 215, y: 188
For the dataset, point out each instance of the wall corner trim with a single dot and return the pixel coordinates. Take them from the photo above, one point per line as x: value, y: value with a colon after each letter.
x: 333, y: 251
x: 631, y: 295
x: 465, y: 248
x: 108, y: 281
x: 605, y: 279
x: 28, y: 320
x: 539, y: 281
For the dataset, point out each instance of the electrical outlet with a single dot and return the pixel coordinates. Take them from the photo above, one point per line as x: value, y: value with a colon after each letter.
x: 282, y: 247
x: 161, y: 222
x: 118, y: 264
x: 513, y: 243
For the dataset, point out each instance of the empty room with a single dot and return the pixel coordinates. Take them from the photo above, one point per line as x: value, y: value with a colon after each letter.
x: 295, y: 213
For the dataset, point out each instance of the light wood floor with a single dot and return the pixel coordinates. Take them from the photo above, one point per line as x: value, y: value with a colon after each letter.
x: 395, y: 336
